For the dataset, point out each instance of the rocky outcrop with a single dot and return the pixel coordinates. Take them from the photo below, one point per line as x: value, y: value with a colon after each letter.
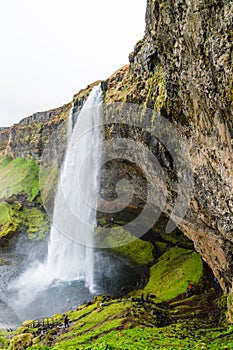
x: 192, y: 40
x: 182, y: 69
x: 4, y: 137
x: 29, y: 137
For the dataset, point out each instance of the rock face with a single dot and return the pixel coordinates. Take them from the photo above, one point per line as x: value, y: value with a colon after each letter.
x: 182, y: 69
x: 4, y: 137
x: 29, y: 137
x: 192, y: 40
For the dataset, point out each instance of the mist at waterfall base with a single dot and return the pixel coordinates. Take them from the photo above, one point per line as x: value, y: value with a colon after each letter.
x: 72, y: 271
x: 110, y: 275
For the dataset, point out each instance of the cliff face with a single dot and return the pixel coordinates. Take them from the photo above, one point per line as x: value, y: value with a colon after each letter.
x: 29, y: 137
x: 192, y: 40
x: 4, y: 137
x: 182, y: 69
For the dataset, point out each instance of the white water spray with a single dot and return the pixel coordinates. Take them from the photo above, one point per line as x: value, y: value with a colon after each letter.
x: 70, y: 249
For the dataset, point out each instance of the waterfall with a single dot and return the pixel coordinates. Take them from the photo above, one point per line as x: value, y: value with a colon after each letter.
x: 70, y: 248
x: 70, y: 253
x: 70, y: 124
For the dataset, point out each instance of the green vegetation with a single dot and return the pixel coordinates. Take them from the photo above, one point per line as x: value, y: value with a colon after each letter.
x: 24, y: 340
x: 168, y: 320
x: 30, y: 220
x: 230, y: 308
x: 175, y: 269
x: 19, y: 192
x: 124, y: 325
x: 126, y: 245
x: 162, y: 322
x: 37, y: 223
x: 230, y: 92
x: 157, y: 94
x: 19, y: 176
x: 176, y: 237
x: 4, y: 215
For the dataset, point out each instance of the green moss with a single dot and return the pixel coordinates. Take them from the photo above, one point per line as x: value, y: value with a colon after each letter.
x: 32, y: 220
x: 170, y: 276
x: 24, y: 340
x: 177, y: 238
x: 36, y: 222
x: 19, y: 176
x: 230, y: 92
x: 4, y: 161
x: 125, y: 244
x: 230, y: 309
x: 157, y: 94
x: 127, y: 325
x: 161, y: 247
x: 4, y: 215
x: 4, y: 343
x: 38, y: 346
x: 222, y: 306
x: 11, y: 225
x: 48, y: 185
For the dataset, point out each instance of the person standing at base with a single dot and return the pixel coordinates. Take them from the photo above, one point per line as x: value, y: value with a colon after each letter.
x: 190, y: 289
x: 66, y: 321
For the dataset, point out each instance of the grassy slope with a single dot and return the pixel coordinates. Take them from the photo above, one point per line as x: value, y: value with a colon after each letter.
x: 20, y: 176
x: 182, y: 323
x: 17, y: 176
x: 138, y: 251
x: 175, y: 270
x: 118, y: 324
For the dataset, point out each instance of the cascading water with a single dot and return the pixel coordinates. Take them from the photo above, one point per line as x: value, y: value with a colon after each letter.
x: 70, y: 252
x: 70, y: 124
x: 70, y: 249
x: 73, y: 270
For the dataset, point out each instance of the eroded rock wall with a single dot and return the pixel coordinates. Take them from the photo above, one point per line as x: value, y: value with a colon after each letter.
x: 4, y: 137
x: 192, y: 40
x: 30, y: 136
x: 183, y: 69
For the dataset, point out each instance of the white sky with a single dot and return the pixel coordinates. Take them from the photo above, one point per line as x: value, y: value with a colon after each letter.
x: 50, y: 49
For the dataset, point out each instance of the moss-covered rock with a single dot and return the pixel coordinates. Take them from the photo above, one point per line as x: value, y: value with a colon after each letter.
x: 17, y: 176
x: 21, y: 341
x: 4, y: 214
x: 125, y: 244
x: 174, y: 271
x: 31, y: 220
x: 4, y: 342
x: 230, y: 309
x: 20, y: 207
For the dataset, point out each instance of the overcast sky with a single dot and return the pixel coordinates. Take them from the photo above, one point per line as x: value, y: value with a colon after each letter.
x: 50, y: 49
